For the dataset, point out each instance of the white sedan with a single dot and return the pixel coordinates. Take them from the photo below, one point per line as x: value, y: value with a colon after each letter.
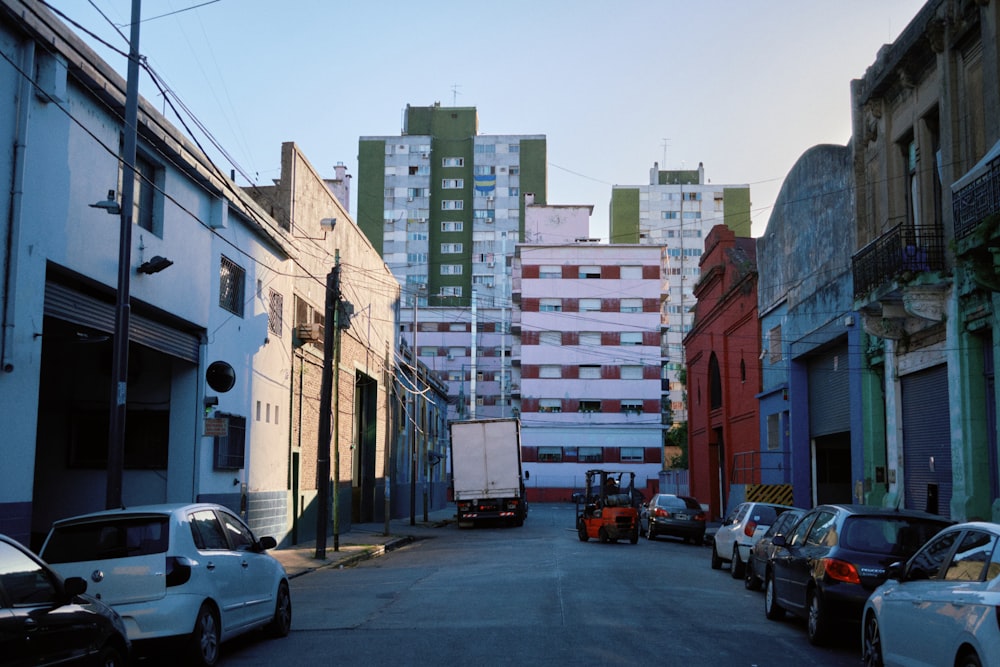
x: 940, y: 607
x: 194, y: 574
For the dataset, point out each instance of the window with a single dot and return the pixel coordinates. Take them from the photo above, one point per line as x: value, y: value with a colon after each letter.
x: 671, y: 215
x: 630, y: 306
x: 550, y: 371
x: 631, y: 338
x: 514, y: 170
x: 632, y: 455
x: 550, y: 338
x: 456, y: 352
x: 823, y: 530
x: 451, y: 291
x: 631, y: 273
x: 231, y: 286
x: 774, y: 344
x: 550, y: 454
x: 590, y: 338
x: 452, y: 226
x: 550, y: 405
x: 590, y: 272
x: 451, y: 248
x: 513, y: 192
x: 275, y: 305
x: 416, y: 258
x: 773, y: 432
x: 590, y: 406
x: 452, y: 183
x: 483, y: 170
x: 590, y: 305
x: 513, y: 148
x: 550, y: 271
x: 972, y: 557
x: 453, y: 162
x: 631, y: 372
x: 631, y: 405
x: 428, y: 351
x: 590, y: 372
x: 483, y: 214
x: 692, y: 215
x: 550, y: 305
x: 590, y: 455
x: 230, y: 448
x: 452, y: 204
x: 931, y: 559
x: 451, y: 269
x: 486, y: 148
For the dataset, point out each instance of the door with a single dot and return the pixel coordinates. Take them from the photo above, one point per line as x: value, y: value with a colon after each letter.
x: 257, y: 580
x: 221, y: 574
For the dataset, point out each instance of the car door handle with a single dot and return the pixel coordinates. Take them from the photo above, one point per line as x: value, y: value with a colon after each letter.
x: 245, y: 564
x: 210, y: 565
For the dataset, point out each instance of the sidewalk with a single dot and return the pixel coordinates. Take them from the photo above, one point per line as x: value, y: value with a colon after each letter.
x: 363, y: 541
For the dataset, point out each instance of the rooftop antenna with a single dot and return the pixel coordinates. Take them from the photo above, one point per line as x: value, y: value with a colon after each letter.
x: 666, y: 142
x: 454, y: 93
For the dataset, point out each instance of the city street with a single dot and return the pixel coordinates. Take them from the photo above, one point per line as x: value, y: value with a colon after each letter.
x: 536, y: 594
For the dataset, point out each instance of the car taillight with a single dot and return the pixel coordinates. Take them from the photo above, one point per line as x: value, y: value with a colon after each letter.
x: 512, y: 504
x: 749, y: 529
x: 840, y: 570
x: 659, y: 511
x: 700, y: 516
x: 465, y: 505
x: 178, y: 570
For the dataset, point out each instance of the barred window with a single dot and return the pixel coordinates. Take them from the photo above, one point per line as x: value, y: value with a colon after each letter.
x: 275, y: 308
x: 230, y: 448
x: 232, y: 277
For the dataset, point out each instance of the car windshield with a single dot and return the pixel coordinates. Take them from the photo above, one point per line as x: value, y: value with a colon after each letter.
x: 103, y: 540
x: 890, y: 535
x: 764, y: 515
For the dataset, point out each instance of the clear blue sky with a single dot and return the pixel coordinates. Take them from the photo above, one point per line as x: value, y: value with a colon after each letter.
x: 744, y: 86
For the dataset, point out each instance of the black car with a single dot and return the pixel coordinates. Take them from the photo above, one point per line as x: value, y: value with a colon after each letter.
x: 826, y: 568
x: 46, y: 621
x: 679, y: 516
x: 761, y: 551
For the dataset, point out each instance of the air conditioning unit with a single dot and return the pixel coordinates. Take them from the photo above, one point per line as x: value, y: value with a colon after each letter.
x: 409, y: 199
x: 489, y: 285
x: 450, y: 357
x: 491, y: 264
x: 425, y: 155
x: 310, y: 331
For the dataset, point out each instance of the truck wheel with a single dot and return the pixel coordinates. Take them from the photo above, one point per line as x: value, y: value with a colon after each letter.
x: 581, y: 530
x: 634, y: 537
x: 602, y: 535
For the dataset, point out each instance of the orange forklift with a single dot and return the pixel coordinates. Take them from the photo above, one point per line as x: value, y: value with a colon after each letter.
x: 609, y: 509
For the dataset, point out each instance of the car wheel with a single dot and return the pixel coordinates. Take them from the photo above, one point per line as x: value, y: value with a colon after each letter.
x: 817, y: 621
x: 736, y: 567
x: 772, y: 609
x: 110, y: 656
x: 203, y: 647
x: 281, y: 624
x: 871, y: 643
x: 969, y: 659
x: 716, y: 561
x: 581, y: 530
x: 750, y: 580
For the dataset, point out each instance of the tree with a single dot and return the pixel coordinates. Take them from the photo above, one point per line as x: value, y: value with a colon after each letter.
x: 678, y: 437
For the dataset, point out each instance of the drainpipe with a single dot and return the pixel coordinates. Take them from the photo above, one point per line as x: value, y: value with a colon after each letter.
x: 12, y: 242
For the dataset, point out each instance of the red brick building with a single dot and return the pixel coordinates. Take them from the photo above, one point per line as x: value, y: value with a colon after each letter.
x: 723, y: 371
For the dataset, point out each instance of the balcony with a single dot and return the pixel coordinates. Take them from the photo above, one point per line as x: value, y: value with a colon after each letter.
x: 897, y: 281
x: 975, y: 205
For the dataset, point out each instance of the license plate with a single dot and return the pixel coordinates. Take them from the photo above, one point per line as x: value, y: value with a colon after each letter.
x: 682, y: 517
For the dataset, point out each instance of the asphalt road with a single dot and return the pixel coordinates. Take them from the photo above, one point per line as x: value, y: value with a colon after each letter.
x: 535, y: 595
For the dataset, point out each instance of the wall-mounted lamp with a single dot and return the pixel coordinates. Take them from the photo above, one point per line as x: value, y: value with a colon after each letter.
x: 327, y: 224
x: 110, y: 204
x: 154, y: 265
x: 763, y: 353
x: 211, y: 401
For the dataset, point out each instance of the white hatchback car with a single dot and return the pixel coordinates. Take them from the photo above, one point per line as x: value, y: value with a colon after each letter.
x: 743, y: 526
x: 940, y: 607
x: 193, y: 572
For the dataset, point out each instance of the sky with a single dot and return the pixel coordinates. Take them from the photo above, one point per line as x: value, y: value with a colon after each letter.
x: 744, y: 87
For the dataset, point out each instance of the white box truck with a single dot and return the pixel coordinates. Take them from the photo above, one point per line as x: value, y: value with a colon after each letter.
x: 486, y: 476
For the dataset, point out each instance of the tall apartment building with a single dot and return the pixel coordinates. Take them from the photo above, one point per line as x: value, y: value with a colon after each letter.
x: 587, y: 331
x: 445, y: 206
x: 677, y: 209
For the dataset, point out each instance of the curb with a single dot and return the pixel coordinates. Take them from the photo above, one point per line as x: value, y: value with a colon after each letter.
x: 359, y: 557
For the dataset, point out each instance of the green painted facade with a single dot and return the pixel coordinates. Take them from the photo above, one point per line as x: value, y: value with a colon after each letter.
x: 534, y: 158
x: 371, y: 185
x: 678, y: 177
x: 736, y: 209
x: 624, y: 223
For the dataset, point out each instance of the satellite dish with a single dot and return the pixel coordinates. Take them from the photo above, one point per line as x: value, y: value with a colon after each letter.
x: 220, y: 376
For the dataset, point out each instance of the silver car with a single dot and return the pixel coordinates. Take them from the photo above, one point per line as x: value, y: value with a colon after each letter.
x: 190, y: 573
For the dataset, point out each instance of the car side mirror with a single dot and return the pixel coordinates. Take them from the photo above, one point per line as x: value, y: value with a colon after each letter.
x: 74, y: 586
x: 266, y: 543
x: 895, y: 571
x: 779, y: 541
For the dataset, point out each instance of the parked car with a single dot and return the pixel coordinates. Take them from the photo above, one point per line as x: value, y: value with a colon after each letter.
x: 46, y: 620
x: 193, y: 574
x: 678, y: 516
x: 940, y: 607
x: 835, y: 557
x: 762, y: 550
x: 740, y: 530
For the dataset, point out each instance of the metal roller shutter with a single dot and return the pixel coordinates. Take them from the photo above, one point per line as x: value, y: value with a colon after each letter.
x: 829, y: 393
x: 927, y: 440
x: 70, y: 305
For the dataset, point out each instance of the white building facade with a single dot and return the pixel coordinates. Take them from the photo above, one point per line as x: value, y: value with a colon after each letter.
x: 587, y: 324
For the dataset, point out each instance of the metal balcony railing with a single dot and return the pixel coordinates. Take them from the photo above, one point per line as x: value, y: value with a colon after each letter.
x: 977, y: 200
x: 904, y: 248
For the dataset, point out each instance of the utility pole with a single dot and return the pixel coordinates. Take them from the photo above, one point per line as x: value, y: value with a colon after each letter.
x: 119, y: 360
x: 413, y: 417
x: 387, y: 456
x: 338, y: 324
x: 325, y: 411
